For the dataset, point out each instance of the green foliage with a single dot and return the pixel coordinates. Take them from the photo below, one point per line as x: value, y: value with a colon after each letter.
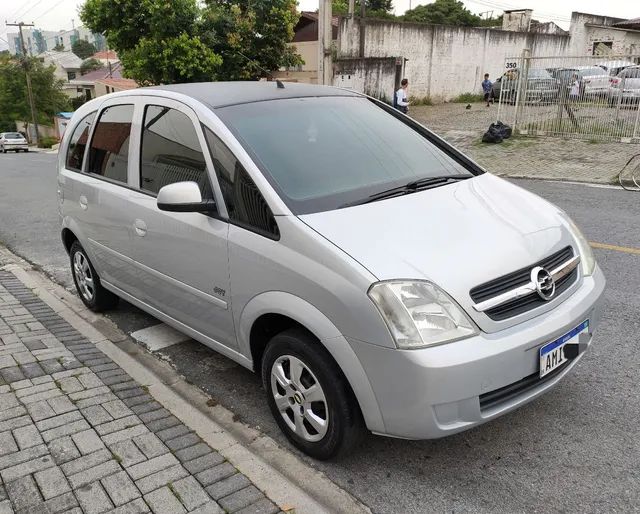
x: 251, y: 39
x: 420, y: 100
x: 83, y: 49
x: 58, y: 48
x: 374, y: 8
x: 47, y: 142
x: 90, y: 65
x: 47, y: 92
x: 491, y: 22
x: 468, y: 98
x: 184, y: 41
x: 443, y: 12
x: 77, y: 102
x: 179, y: 59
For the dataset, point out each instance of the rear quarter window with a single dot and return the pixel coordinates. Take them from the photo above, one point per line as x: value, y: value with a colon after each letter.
x: 78, y: 142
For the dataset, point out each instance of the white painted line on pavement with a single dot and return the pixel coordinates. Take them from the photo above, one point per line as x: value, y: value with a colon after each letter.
x: 159, y: 336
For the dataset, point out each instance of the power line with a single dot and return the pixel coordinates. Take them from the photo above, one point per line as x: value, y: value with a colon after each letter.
x: 18, y: 10
x: 31, y: 8
x: 48, y: 10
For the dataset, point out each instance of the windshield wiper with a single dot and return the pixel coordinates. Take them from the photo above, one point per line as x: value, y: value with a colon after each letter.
x: 408, y: 188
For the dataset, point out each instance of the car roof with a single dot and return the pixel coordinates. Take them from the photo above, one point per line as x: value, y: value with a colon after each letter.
x: 222, y: 94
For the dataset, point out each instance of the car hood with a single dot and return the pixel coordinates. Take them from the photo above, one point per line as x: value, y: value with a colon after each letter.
x: 457, y: 236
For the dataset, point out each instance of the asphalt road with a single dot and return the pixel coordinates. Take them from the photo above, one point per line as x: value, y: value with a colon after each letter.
x: 577, y: 449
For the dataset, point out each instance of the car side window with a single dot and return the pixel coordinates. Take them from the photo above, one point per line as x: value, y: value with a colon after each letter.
x: 78, y: 142
x: 109, y: 150
x: 245, y: 204
x: 171, y: 151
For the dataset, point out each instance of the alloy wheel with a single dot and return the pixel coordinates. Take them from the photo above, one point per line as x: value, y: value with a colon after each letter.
x: 83, y: 276
x: 299, y: 398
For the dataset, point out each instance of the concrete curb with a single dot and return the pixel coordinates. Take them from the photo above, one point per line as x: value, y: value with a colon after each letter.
x: 292, y: 484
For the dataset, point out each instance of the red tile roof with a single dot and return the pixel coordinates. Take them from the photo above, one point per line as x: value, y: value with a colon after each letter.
x: 110, y: 54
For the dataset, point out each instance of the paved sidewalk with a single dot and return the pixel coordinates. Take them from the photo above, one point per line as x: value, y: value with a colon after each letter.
x: 551, y: 158
x: 78, y: 435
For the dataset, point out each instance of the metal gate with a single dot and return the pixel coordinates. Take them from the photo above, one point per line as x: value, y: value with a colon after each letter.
x: 590, y: 97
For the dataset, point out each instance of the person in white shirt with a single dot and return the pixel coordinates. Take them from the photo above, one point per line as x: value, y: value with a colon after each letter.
x: 400, y: 100
x: 574, y: 93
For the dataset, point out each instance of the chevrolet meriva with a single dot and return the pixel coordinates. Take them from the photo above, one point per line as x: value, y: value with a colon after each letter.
x: 375, y: 276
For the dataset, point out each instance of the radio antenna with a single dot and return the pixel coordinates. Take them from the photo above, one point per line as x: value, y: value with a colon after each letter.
x: 279, y: 83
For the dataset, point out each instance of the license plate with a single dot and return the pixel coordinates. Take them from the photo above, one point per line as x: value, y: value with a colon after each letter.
x: 552, y: 354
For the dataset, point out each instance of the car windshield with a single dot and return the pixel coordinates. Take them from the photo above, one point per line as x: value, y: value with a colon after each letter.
x: 321, y: 153
x: 13, y: 135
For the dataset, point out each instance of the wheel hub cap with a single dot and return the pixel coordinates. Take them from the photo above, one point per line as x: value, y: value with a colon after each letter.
x: 83, y: 276
x: 299, y: 398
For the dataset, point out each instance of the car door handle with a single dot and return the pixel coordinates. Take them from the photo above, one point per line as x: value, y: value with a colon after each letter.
x: 83, y: 203
x: 140, y: 227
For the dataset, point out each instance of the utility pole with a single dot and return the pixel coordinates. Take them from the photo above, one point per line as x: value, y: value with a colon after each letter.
x: 26, y: 65
x: 352, y: 8
x: 325, y: 33
x: 363, y: 14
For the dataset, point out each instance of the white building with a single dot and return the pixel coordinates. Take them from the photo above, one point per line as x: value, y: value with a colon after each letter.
x: 38, y: 41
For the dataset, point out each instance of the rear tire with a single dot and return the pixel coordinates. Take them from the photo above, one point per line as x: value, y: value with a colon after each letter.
x: 318, y: 394
x: 87, y: 281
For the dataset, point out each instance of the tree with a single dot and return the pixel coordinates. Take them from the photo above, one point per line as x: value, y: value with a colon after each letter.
x: 443, y: 12
x: 156, y: 40
x: 90, y: 65
x: 184, y: 40
x: 83, y: 49
x: 374, y: 8
x: 251, y: 37
x: 59, y: 47
x: 14, y: 103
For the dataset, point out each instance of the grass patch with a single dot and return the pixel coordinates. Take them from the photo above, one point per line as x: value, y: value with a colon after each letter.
x: 145, y: 388
x: 116, y: 457
x: 467, y: 98
x: 211, y: 402
x: 420, y: 100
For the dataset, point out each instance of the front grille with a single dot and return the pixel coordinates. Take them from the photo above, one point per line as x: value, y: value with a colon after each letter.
x: 519, y: 278
x: 506, y: 393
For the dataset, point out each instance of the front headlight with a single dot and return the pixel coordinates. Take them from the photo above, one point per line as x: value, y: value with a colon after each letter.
x: 419, y: 313
x: 587, y: 259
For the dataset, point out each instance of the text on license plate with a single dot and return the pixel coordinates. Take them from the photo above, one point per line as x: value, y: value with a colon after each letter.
x: 552, y: 354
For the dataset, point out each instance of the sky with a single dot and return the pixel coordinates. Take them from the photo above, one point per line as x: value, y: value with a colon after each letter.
x: 57, y: 14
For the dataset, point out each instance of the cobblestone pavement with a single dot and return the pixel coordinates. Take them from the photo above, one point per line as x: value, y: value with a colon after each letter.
x: 528, y: 157
x: 78, y: 435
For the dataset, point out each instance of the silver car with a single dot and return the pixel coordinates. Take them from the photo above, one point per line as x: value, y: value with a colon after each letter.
x: 625, y: 87
x: 375, y: 277
x: 13, y: 141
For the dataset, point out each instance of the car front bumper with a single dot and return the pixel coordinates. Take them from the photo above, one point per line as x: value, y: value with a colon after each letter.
x: 434, y: 392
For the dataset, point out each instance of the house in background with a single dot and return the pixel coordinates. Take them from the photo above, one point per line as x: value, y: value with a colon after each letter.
x: 305, y: 40
x: 67, y: 68
x: 108, y: 85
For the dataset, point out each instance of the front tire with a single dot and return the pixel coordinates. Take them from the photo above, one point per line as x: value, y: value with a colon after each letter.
x: 87, y: 281
x: 309, y: 396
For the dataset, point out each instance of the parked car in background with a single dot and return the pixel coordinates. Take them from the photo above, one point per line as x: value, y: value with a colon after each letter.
x: 613, y: 68
x: 625, y: 87
x: 372, y: 274
x: 541, y: 86
x: 13, y: 141
x: 594, y: 81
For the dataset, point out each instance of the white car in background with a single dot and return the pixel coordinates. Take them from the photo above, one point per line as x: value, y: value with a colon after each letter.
x: 613, y: 68
x: 625, y: 87
x: 13, y: 141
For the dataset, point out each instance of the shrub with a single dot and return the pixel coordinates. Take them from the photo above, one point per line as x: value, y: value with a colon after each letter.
x: 468, y: 98
x: 47, y: 142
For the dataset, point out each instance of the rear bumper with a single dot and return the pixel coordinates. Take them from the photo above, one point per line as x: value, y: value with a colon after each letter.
x: 434, y: 392
x: 16, y: 146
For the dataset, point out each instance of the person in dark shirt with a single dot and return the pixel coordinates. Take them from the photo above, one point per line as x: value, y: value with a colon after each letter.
x: 487, y: 88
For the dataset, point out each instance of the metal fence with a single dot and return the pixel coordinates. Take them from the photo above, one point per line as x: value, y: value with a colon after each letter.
x: 591, y: 97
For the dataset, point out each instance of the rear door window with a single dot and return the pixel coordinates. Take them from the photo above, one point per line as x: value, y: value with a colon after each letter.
x: 171, y: 151
x: 109, y: 151
x: 78, y: 142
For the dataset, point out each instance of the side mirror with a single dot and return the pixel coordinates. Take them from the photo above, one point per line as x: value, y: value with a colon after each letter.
x: 183, y: 197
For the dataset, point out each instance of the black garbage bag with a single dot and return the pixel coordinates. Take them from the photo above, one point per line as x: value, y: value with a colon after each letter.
x: 506, y: 129
x: 493, y: 135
